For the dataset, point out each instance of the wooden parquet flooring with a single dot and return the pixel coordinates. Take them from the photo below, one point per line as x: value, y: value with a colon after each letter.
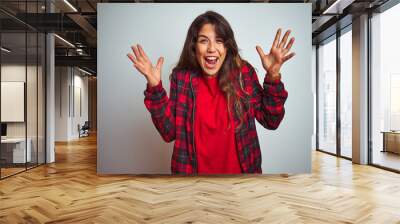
x: 10, y: 171
x: 69, y: 191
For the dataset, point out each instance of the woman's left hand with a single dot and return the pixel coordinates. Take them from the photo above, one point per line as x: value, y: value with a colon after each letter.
x: 278, y: 55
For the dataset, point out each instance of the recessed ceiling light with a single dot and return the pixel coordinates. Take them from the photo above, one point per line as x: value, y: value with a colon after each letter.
x: 84, y: 71
x: 5, y: 50
x: 70, y: 5
x: 338, y: 6
x: 64, y: 40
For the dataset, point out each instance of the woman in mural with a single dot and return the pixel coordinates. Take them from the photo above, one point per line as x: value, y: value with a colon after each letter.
x: 215, y: 97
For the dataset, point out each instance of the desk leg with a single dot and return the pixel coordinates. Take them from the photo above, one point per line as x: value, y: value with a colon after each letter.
x: 384, y: 142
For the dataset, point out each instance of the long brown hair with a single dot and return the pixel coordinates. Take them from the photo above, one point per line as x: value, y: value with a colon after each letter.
x: 229, y: 74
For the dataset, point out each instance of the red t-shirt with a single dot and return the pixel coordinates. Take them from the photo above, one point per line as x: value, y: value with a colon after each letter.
x: 214, y: 137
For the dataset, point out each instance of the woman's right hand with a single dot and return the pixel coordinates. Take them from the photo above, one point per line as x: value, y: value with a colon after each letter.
x: 143, y: 64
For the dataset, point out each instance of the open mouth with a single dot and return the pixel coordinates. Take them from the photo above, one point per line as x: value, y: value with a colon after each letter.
x: 211, y: 62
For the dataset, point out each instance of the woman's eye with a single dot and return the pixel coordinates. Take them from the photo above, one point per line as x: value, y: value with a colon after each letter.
x: 220, y: 41
x: 203, y: 41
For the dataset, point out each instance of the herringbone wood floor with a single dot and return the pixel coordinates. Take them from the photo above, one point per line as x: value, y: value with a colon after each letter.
x: 69, y: 191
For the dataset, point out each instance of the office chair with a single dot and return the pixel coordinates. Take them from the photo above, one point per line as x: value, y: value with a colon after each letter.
x: 84, y: 130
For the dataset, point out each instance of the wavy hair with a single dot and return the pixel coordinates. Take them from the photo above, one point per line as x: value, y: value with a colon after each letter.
x: 229, y: 75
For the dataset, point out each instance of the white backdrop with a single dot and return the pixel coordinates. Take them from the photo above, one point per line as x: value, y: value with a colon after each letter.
x: 128, y: 142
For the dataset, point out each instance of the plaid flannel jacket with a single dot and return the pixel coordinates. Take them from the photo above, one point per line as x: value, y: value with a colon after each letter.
x: 174, y: 117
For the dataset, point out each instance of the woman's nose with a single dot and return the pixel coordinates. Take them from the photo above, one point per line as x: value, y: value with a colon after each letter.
x: 211, y: 46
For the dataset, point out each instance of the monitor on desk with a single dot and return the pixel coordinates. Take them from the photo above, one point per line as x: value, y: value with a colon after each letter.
x: 3, y: 130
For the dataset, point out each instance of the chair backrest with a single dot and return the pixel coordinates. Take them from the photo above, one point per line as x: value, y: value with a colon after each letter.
x: 86, y: 125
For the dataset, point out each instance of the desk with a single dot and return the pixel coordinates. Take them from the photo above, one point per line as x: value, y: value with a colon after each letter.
x: 15, y: 148
x: 391, y: 141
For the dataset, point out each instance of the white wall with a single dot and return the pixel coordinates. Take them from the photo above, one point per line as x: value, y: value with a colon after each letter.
x: 68, y: 83
x: 61, y: 103
x: 79, y: 117
x: 127, y: 139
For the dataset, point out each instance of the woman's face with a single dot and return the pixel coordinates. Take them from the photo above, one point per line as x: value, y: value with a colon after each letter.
x: 210, y: 50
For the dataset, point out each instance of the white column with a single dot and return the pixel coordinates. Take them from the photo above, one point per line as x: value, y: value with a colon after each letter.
x: 50, y: 110
x: 50, y: 92
x: 360, y: 90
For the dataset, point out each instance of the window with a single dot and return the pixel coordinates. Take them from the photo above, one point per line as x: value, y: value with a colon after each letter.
x: 346, y: 94
x: 327, y: 96
x: 385, y: 89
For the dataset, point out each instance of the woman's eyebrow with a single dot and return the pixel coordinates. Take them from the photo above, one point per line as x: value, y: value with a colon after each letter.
x: 201, y: 35
x: 204, y: 36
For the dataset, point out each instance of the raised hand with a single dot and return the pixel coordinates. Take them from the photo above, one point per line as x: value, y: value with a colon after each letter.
x: 143, y: 64
x: 278, y: 55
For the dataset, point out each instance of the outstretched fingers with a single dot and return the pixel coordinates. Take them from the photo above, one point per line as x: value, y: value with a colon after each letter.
x: 275, y: 44
x: 142, y: 53
x: 132, y: 58
x: 260, y: 51
x: 289, y: 56
x: 284, y: 39
x: 160, y: 63
x: 289, y: 45
x: 136, y: 58
x: 136, y: 52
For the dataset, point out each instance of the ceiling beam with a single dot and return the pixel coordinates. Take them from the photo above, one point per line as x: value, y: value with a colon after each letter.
x: 84, y: 61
